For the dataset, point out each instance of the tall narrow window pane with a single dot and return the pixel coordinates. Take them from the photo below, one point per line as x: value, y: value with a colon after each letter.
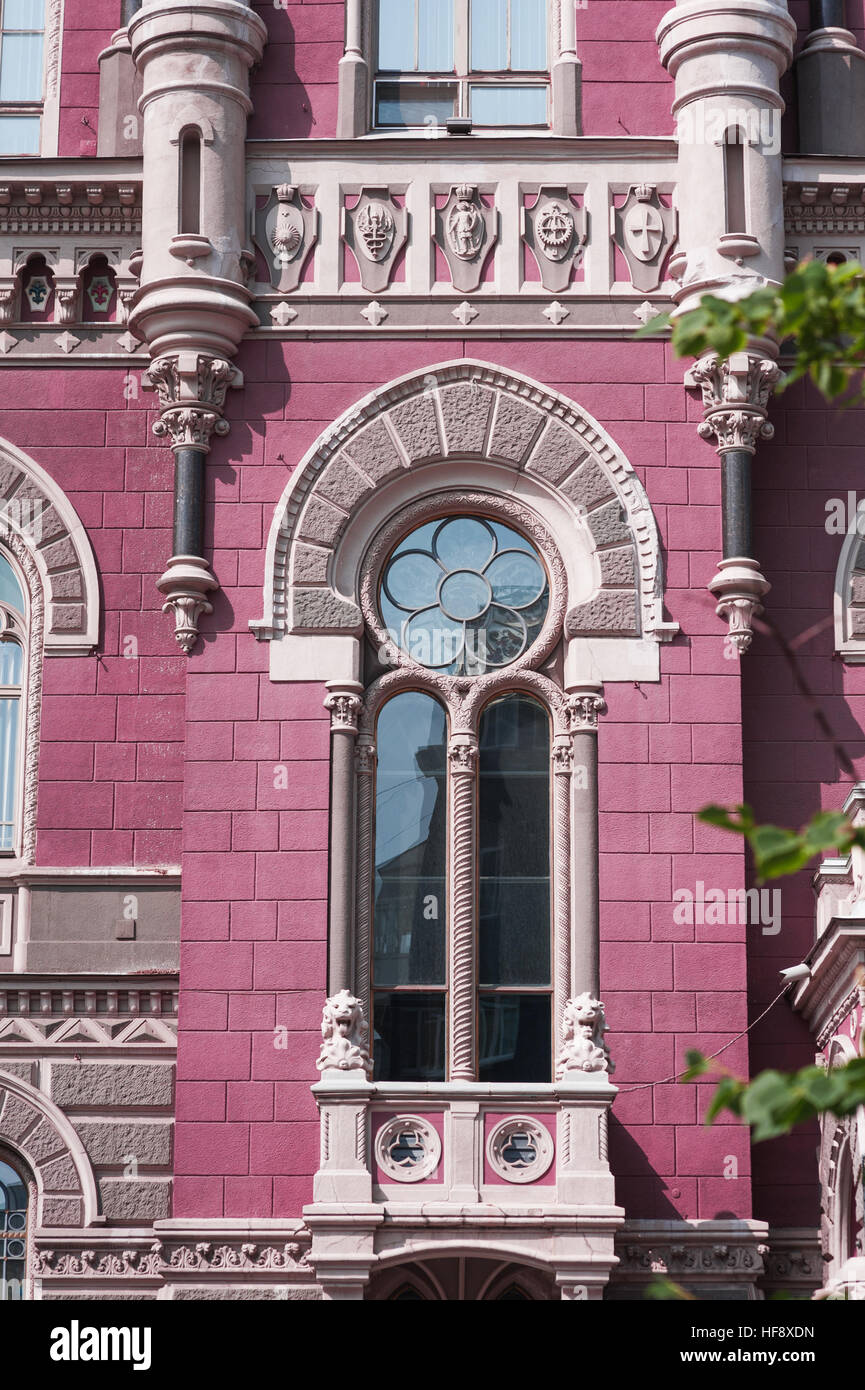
x: 13, y: 1234
x: 190, y: 183
x: 528, y: 35
x: 10, y: 589
x: 410, y: 908
x: 24, y: 14
x: 734, y: 178
x: 21, y: 67
x: 8, y: 770
x: 19, y: 135
x: 396, y: 35
x: 435, y: 28
x: 514, y: 890
x: 489, y: 35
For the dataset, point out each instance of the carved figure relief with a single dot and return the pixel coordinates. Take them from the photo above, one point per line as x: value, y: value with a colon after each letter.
x: 555, y: 232
x: 465, y: 231
x: 583, y: 1028
x: 375, y: 230
x: 644, y: 230
x: 285, y: 233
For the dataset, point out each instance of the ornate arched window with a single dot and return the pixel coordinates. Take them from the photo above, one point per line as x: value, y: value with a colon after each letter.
x: 13, y: 627
x: 14, y: 1209
x: 463, y: 910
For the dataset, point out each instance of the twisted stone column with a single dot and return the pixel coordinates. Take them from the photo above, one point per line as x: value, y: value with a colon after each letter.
x: 585, y: 704
x: 462, y: 760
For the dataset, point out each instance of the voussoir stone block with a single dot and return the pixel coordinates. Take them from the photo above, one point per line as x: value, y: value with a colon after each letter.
x: 613, y: 612
x: 127, y: 1199
x: 61, y: 1211
x: 466, y: 413
x: 321, y: 522
x: 608, y: 525
x: 59, y: 554
x: 310, y: 564
x: 416, y: 424
x: 341, y: 483
x: 617, y: 566
x: 858, y: 622
x: 373, y: 450
x: 60, y: 1175
x: 9, y: 475
x: 107, y: 1141
x: 857, y: 589
x: 67, y: 617
x: 516, y: 426
x: 321, y: 610
x: 589, y: 485
x: 67, y: 585
x: 91, y: 1083
x: 16, y: 1116
x: 44, y: 1142
x: 555, y: 454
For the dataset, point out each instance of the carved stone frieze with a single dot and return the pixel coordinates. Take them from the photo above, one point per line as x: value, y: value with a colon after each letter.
x: 555, y: 233
x: 465, y: 232
x: 375, y: 230
x: 286, y: 230
x: 644, y: 231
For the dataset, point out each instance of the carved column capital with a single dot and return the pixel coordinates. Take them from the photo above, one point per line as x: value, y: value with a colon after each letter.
x: 584, y: 708
x: 735, y: 398
x: 463, y: 759
x: 191, y: 388
x: 365, y: 759
x: 345, y: 704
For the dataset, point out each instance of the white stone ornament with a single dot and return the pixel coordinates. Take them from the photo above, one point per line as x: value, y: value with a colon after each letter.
x: 285, y: 234
x: 375, y: 230
x: 644, y: 230
x: 344, y: 1031
x: 407, y: 1149
x: 556, y: 313
x: 583, y: 1047
x: 283, y: 314
x: 374, y: 313
x: 464, y: 313
x: 520, y: 1150
x: 554, y: 230
x: 465, y: 231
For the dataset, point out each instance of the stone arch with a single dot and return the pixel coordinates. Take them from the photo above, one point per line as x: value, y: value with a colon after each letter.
x: 850, y: 597
x: 36, y: 511
x: 33, y: 1127
x: 517, y: 429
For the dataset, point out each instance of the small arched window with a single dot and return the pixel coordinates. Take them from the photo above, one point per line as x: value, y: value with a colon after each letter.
x: 190, y: 183
x: 14, y: 1206
x: 12, y: 660
x: 734, y: 180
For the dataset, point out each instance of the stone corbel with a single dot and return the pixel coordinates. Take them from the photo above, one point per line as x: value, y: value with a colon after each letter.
x: 735, y: 405
x: 191, y: 389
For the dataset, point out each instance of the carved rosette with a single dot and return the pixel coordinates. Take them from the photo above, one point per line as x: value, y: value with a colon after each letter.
x: 735, y: 399
x: 191, y: 389
x: 344, y: 1032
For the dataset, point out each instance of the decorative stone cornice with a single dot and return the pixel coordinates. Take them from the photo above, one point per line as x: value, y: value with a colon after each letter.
x: 191, y: 387
x: 694, y: 1253
x: 735, y: 398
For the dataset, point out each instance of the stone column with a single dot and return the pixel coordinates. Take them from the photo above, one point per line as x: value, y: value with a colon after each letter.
x: 585, y: 704
x: 567, y: 76
x: 353, y: 114
x: 365, y: 769
x: 344, y: 703
x: 830, y: 81
x: 462, y: 760
x: 735, y: 402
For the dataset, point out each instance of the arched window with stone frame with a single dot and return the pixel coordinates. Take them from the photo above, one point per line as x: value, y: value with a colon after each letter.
x: 17, y: 1193
x: 14, y: 672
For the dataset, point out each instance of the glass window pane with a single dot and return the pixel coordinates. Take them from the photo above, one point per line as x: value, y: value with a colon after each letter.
x: 528, y: 35
x: 514, y: 843
x: 435, y: 28
x: 411, y: 842
x: 508, y: 105
x: 396, y: 35
x: 414, y: 103
x: 514, y: 1037
x: 8, y: 770
x: 11, y: 661
x: 489, y: 37
x: 13, y: 1233
x: 24, y: 14
x: 21, y: 67
x: 409, y: 1037
x: 10, y: 589
x: 19, y: 135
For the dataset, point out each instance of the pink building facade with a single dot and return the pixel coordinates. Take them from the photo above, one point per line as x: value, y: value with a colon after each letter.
x: 377, y: 615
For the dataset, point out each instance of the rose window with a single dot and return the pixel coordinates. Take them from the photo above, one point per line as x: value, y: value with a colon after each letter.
x: 407, y: 1148
x: 464, y: 595
x: 520, y: 1149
